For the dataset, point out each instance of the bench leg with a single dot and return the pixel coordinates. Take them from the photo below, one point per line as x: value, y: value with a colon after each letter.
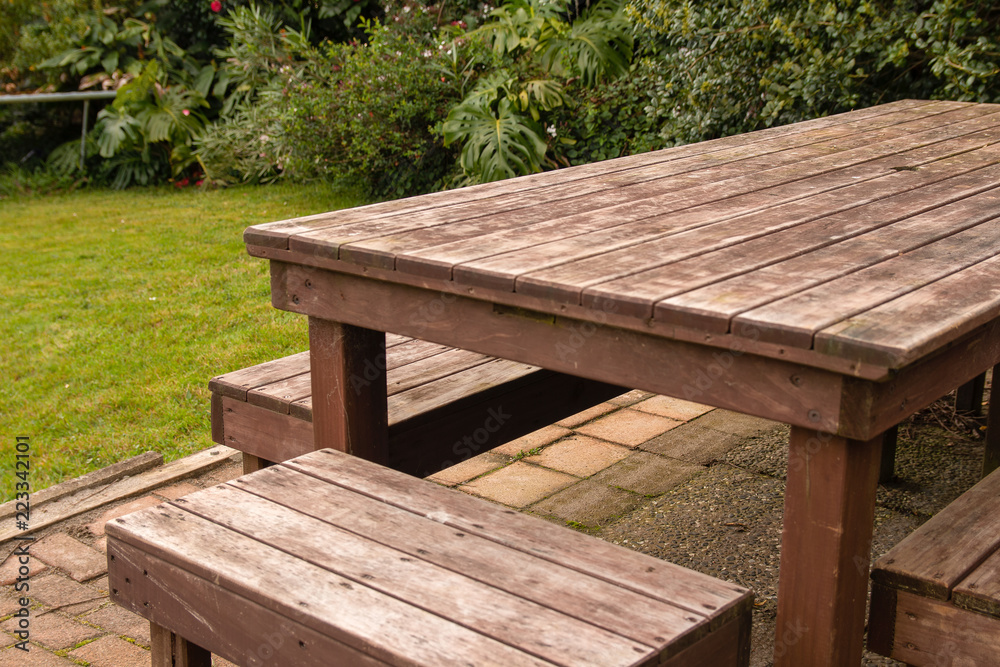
x: 253, y: 463
x: 991, y: 458
x: 169, y: 650
x: 969, y: 397
x: 350, y: 411
x: 887, y: 469
x: 825, y: 548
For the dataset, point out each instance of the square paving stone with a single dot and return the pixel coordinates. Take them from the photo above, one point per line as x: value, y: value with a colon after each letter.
x: 55, y: 590
x: 647, y: 473
x: 121, y: 622
x: 11, y: 568
x: 630, y: 397
x: 539, y: 438
x: 111, y: 651
x: 53, y: 630
x: 674, y: 408
x: 735, y: 422
x: 589, y: 503
x: 580, y: 455
x: 73, y: 556
x: 628, y: 427
x: 590, y: 413
x: 519, y: 484
x: 35, y: 657
x: 470, y: 469
x: 693, y: 443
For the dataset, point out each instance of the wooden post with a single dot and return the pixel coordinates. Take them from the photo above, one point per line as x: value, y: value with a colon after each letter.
x: 170, y: 650
x: 347, y: 364
x: 825, y: 549
x: 969, y: 397
x: 991, y: 458
x: 887, y: 469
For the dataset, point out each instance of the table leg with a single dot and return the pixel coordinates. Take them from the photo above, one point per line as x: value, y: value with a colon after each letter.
x: 991, y: 458
x: 825, y: 549
x: 347, y: 364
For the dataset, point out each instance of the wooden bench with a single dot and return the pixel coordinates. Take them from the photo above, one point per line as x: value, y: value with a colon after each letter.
x: 444, y: 405
x: 329, y: 559
x: 936, y: 595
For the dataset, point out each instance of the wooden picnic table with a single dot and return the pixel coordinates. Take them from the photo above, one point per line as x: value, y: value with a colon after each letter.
x: 836, y: 274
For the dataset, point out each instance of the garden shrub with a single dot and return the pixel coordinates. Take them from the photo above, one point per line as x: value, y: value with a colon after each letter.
x: 737, y: 65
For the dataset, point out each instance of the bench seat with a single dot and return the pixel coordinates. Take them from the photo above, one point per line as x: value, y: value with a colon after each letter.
x: 328, y: 559
x: 444, y: 405
x: 936, y: 595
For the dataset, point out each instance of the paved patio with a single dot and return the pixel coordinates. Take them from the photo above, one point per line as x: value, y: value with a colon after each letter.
x: 699, y: 486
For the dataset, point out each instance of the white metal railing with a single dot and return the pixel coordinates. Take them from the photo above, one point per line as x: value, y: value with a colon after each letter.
x: 85, y: 96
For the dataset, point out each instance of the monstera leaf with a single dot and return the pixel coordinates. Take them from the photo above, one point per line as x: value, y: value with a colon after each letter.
x: 115, y: 129
x: 498, y: 141
x: 596, y: 46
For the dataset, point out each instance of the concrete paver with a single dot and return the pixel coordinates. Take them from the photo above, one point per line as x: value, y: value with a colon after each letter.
x: 692, y: 443
x: 55, y: 590
x: 519, y: 484
x: 121, y: 622
x: 628, y: 427
x: 53, y: 630
x: 11, y: 569
x: 539, y: 438
x: 36, y: 656
x: 674, y: 408
x: 647, y: 474
x: 589, y: 503
x: 735, y: 422
x: 590, y: 413
x: 470, y: 468
x: 111, y: 651
x: 579, y: 455
x: 71, y: 555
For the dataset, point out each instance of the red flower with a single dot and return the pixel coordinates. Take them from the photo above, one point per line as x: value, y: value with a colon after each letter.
x: 216, y: 6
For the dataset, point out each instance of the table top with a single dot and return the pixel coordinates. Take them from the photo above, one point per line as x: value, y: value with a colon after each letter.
x: 871, y: 235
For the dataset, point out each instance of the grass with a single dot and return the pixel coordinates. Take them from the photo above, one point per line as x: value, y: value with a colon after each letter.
x: 117, y: 309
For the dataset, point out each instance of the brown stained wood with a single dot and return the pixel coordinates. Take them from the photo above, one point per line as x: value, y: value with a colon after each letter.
x: 772, y: 389
x: 638, y: 572
x: 825, y: 545
x: 991, y: 457
x: 348, y: 389
x: 868, y: 408
x: 161, y: 646
x: 969, y: 397
x: 881, y: 619
x: 942, y: 552
x: 253, y: 463
x: 583, y: 597
x: 506, y: 617
x: 980, y: 591
x: 933, y: 632
x: 344, y: 610
x: 433, y: 249
x: 718, y: 648
x: 237, y: 383
x: 835, y: 241
x: 259, y: 635
x: 276, y: 234
x: 782, y: 264
x: 919, y: 322
x: 263, y: 433
x: 571, y: 249
x: 796, y: 319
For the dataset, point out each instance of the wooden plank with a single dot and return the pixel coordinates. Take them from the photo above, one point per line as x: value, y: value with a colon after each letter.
x: 942, y: 552
x: 346, y: 610
x: 729, y: 646
x: 932, y: 632
x: 276, y: 234
x: 84, y: 500
x: 348, y: 389
x: 250, y: 634
x: 631, y: 570
x: 969, y: 397
x: 169, y: 650
x: 915, y: 324
x: 504, y: 616
x: 733, y: 378
x: 825, y: 545
x: 780, y: 265
x: 637, y: 277
x: 270, y: 435
x: 583, y: 597
x: 794, y: 320
x: 980, y: 590
x: 497, y: 260
x: 991, y: 457
x: 237, y: 383
x: 449, y: 237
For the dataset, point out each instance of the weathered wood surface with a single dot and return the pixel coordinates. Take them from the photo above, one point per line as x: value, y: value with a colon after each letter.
x: 948, y: 548
x: 800, y: 236
x: 303, y: 560
x: 444, y: 405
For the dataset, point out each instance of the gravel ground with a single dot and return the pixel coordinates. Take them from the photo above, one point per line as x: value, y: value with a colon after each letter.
x: 726, y: 521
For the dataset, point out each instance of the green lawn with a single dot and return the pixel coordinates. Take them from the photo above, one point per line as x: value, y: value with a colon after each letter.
x: 117, y: 309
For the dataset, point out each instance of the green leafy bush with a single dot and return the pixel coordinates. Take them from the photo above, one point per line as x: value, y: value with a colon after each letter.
x: 737, y: 65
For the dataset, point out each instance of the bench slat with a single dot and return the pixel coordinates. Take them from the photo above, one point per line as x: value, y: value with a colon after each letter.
x: 643, y: 574
x: 338, y: 607
x: 980, y: 591
x: 932, y: 560
x: 628, y: 614
x: 503, y: 616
